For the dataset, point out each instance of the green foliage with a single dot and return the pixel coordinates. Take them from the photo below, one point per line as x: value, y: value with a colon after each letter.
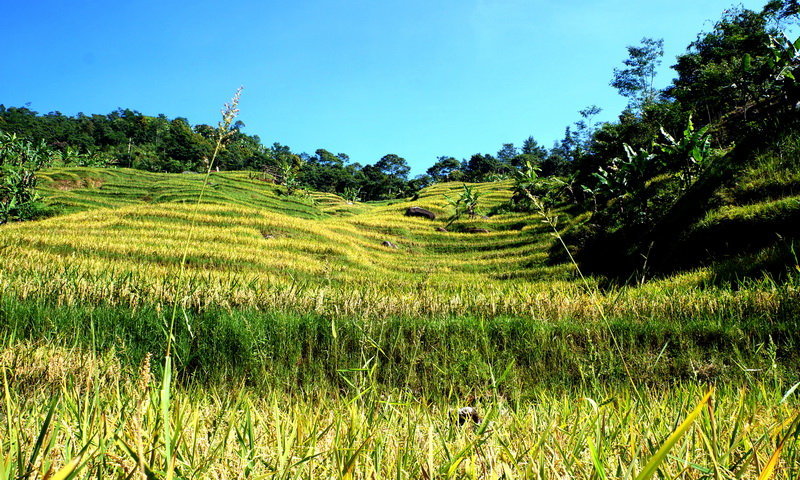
x: 71, y: 156
x: 529, y: 188
x: 351, y: 194
x: 386, y: 179
x: 692, y: 152
x: 20, y: 160
x: 782, y: 9
x: 481, y: 166
x: 507, y: 153
x: 725, y: 68
x: 466, y: 203
x: 128, y: 138
x: 289, y: 167
x: 734, y: 98
x: 442, y: 170
x: 301, y: 352
x: 636, y: 80
x: 784, y: 60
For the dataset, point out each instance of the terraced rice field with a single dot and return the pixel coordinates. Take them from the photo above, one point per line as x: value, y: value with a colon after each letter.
x: 246, y: 232
x: 303, y: 347
x: 252, y: 246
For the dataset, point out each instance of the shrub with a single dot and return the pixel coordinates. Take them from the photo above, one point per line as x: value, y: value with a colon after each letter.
x: 19, y: 161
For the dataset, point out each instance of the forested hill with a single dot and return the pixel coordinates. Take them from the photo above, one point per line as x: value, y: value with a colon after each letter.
x: 702, y: 172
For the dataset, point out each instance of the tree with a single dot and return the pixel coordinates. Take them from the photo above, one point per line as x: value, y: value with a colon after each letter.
x: 531, y: 147
x: 182, y: 148
x: 327, y: 172
x: 711, y: 76
x: 385, y: 179
x: 394, y: 166
x: 532, y: 153
x: 480, y: 166
x: 578, y: 138
x: 636, y: 81
x: 507, y: 153
x: 326, y: 158
x: 441, y: 170
x: 782, y: 9
x: 419, y: 182
x: 554, y: 164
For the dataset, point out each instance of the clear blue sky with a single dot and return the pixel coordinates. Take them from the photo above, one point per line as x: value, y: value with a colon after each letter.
x: 419, y: 78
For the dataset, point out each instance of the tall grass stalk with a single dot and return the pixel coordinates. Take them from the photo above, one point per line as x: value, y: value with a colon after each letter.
x: 591, y: 289
x: 223, y: 132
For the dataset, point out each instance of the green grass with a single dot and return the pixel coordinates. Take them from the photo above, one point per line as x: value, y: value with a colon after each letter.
x: 97, y: 419
x: 79, y: 189
x: 275, y: 350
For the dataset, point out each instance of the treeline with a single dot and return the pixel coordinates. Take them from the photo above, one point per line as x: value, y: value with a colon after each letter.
x: 128, y: 138
x: 734, y: 85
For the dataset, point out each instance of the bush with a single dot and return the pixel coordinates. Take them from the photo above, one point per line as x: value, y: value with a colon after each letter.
x: 19, y: 161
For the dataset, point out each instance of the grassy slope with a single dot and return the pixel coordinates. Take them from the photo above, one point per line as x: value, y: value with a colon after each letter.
x: 755, y: 223
x: 740, y: 220
x: 452, y: 316
x: 248, y: 228
x: 253, y: 247
x: 259, y: 260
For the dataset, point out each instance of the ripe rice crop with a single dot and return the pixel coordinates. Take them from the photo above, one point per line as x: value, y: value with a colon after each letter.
x: 305, y: 348
x: 70, y: 425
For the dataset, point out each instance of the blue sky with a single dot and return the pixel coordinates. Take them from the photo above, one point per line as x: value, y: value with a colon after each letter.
x: 364, y: 77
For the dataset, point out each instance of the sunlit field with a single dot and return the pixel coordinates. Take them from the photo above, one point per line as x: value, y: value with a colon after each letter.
x: 304, y: 347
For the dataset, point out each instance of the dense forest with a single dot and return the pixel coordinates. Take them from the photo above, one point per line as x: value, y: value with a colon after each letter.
x: 128, y: 138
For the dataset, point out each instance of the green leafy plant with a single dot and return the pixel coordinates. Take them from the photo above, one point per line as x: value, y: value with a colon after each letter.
x: 525, y: 180
x: 785, y: 60
x: 693, y: 150
x: 289, y: 167
x: 529, y: 185
x: 20, y: 160
x: 626, y: 174
x: 466, y: 203
x: 351, y: 194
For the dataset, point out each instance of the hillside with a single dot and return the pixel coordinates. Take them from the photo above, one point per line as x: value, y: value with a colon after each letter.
x: 184, y: 300
x: 294, y: 301
x: 253, y: 248
x: 740, y: 220
x: 133, y: 224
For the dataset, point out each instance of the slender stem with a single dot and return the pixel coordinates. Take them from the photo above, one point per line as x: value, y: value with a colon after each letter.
x: 592, y: 291
x: 185, y: 254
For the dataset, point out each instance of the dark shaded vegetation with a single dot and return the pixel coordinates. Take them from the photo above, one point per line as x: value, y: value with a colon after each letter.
x: 703, y: 172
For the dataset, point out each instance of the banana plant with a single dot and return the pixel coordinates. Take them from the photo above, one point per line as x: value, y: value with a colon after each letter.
x: 467, y: 203
x: 693, y: 149
x: 785, y: 60
x: 626, y: 174
x: 20, y: 159
x: 351, y: 194
x: 530, y: 187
